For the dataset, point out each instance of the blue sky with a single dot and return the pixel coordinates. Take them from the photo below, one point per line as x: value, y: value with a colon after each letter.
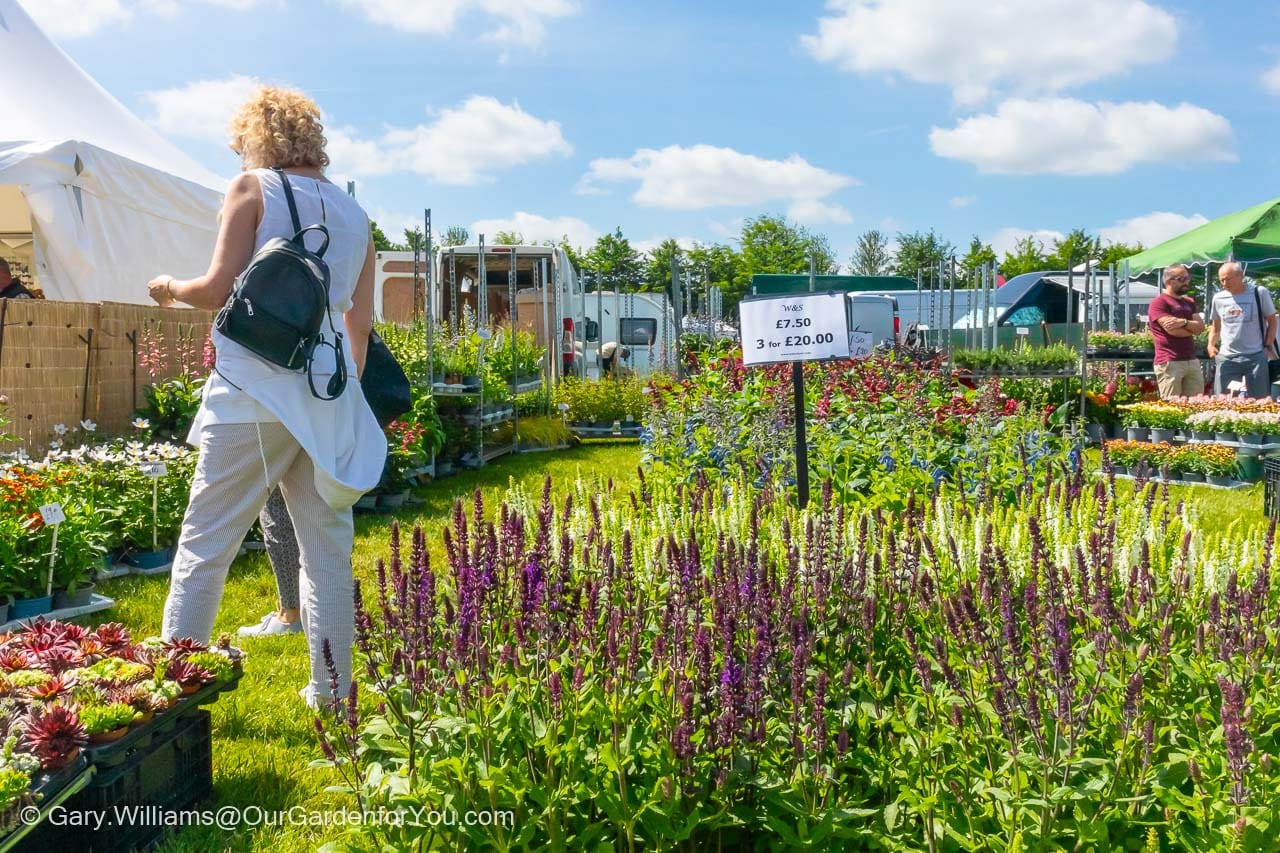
x: 1134, y: 117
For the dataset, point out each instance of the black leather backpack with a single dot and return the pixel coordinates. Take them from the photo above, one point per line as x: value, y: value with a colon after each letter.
x: 279, y: 302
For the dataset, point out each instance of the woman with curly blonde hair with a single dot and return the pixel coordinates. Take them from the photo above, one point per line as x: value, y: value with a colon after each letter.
x: 259, y: 426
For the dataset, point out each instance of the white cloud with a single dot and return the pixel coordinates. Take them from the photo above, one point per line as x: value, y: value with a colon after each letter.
x: 812, y: 211
x: 201, y: 109
x: 463, y: 145
x: 80, y: 18
x: 975, y: 46
x: 76, y: 18
x: 394, y: 223
x: 1151, y: 229
x: 1271, y: 79
x: 704, y: 176
x: 509, y: 21
x: 535, y: 229
x: 1005, y: 239
x: 962, y: 201
x: 1065, y: 136
x: 467, y: 142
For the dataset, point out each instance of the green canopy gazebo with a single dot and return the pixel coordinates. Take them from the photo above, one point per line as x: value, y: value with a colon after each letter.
x: 1251, y: 236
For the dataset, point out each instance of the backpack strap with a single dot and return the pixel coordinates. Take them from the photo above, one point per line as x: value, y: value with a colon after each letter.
x: 288, y: 194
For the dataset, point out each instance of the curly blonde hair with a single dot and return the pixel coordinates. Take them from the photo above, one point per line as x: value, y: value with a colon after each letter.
x: 279, y: 128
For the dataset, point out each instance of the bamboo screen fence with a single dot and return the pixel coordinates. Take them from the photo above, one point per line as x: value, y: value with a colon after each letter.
x: 65, y: 362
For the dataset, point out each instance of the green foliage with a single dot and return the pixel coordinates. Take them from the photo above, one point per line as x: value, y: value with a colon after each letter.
x: 920, y: 253
x: 771, y: 244
x: 172, y: 405
x: 657, y: 266
x: 871, y: 256
x: 455, y: 235
x: 1027, y: 256
x: 543, y: 431
x: 613, y: 264
x: 1054, y: 358
x: 14, y: 786
x: 507, y: 238
x: 980, y: 255
x: 219, y: 665
x: 603, y: 400
x: 100, y: 719
x: 381, y: 243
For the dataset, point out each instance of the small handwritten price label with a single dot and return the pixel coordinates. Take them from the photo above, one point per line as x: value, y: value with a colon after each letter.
x: 52, y: 514
x: 154, y: 470
x: 861, y: 344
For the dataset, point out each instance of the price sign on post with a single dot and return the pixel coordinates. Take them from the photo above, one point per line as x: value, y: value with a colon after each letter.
x: 797, y: 327
x: 155, y: 470
x: 53, y: 516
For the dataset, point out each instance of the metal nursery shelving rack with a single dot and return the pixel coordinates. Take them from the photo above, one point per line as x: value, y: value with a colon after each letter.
x: 481, y: 421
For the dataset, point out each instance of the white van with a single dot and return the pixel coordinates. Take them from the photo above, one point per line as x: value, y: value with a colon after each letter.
x: 644, y: 323
x: 874, y: 313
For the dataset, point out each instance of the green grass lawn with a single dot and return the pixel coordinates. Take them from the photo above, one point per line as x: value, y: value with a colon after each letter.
x: 263, y: 734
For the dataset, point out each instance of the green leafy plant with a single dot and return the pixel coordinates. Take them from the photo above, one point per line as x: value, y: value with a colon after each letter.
x: 100, y: 719
x: 216, y: 663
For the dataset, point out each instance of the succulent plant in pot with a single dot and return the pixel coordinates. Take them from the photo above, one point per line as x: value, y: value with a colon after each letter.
x: 106, y: 723
x: 55, y: 735
x: 190, y: 676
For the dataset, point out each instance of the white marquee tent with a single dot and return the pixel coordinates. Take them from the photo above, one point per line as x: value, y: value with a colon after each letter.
x: 93, y: 202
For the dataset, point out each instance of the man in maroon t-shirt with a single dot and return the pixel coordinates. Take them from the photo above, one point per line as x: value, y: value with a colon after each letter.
x: 1174, y: 323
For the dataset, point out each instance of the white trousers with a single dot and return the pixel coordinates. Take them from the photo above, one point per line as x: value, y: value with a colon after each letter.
x: 234, y: 476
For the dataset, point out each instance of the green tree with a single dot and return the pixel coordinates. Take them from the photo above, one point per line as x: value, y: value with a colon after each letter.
x: 508, y: 238
x: 657, y: 265
x: 714, y: 264
x: 1115, y: 253
x: 455, y: 235
x: 413, y: 239
x: 614, y: 263
x: 1027, y: 256
x: 1074, y: 249
x: 871, y: 256
x: 921, y: 253
x: 381, y: 243
x: 980, y: 255
x: 771, y: 244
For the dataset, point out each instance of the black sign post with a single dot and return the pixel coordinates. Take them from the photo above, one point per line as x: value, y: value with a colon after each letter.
x: 796, y: 328
x: 802, y: 445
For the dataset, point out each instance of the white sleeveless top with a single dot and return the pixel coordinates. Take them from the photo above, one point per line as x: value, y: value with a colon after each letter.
x: 341, y: 436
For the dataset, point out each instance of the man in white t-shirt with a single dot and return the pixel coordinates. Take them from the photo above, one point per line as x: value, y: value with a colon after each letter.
x: 1243, y: 335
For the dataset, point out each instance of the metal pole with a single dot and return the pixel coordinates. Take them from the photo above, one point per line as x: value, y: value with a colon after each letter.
x: 802, y: 447
x: 1114, y: 301
x: 813, y: 271
x: 919, y: 306
x: 1127, y: 326
x: 417, y: 248
x: 546, y: 334
x: 512, y: 288
x: 453, y: 291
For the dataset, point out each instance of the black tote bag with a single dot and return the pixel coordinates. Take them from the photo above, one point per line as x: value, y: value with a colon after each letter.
x: 384, y: 384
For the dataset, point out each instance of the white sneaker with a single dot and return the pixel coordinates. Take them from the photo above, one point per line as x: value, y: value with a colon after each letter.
x: 270, y: 626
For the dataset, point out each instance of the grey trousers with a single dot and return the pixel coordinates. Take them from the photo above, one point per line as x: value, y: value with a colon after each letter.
x: 1252, y: 368
x: 229, y: 488
x: 282, y: 548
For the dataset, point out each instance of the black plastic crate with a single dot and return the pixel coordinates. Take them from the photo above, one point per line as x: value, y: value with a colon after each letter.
x: 173, y: 772
x: 1271, y: 487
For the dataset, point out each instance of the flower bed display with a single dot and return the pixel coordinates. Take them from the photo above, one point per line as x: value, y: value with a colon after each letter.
x: 1055, y: 358
x: 698, y: 664
x: 1210, y: 461
x: 1121, y: 344
x: 602, y: 402
x: 68, y: 692
x: 112, y: 507
x: 879, y: 429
